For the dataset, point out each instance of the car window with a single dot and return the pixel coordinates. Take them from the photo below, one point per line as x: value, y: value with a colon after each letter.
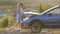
x: 55, y: 11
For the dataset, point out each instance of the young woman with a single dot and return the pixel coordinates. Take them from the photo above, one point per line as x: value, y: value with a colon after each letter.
x: 19, y: 16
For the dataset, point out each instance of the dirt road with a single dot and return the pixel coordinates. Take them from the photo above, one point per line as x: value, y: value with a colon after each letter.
x: 27, y: 31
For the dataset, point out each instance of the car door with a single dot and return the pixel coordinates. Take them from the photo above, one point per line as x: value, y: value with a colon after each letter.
x: 53, y: 17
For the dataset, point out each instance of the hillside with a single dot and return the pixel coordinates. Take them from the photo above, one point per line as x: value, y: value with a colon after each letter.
x: 43, y: 2
x: 33, y: 2
x: 8, y: 2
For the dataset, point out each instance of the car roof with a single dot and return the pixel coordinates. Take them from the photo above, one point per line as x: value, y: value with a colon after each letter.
x: 50, y: 9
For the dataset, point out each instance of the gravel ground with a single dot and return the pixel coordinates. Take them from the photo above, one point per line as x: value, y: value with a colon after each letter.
x: 27, y: 31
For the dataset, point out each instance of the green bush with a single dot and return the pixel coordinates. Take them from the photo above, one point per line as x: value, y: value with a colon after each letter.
x: 4, y: 22
x: 40, y: 9
x: 7, y: 21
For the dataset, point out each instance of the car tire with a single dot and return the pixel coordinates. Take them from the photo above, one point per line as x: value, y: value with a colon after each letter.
x: 36, y: 27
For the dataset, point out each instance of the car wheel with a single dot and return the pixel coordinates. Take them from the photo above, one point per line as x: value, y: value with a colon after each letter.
x: 36, y: 27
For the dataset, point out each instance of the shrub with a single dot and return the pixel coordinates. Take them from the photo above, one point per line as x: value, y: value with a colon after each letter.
x: 40, y: 9
x: 4, y: 23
